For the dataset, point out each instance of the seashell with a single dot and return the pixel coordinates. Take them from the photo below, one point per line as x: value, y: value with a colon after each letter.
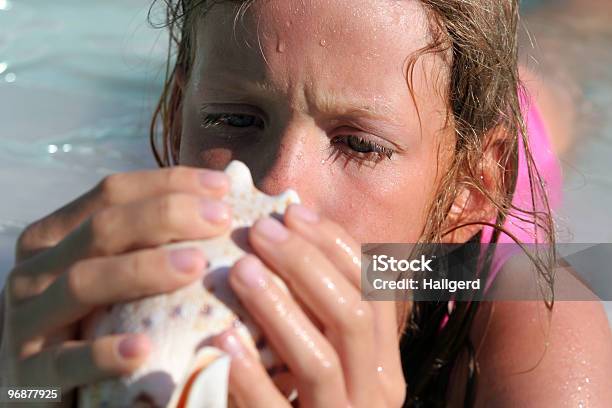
x: 184, y: 370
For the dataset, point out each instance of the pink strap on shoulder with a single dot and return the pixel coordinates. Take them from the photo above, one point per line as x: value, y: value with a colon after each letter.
x: 547, y: 164
x: 518, y: 223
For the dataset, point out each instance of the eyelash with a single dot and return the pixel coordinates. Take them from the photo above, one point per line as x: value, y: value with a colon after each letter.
x: 213, y: 120
x: 374, y: 151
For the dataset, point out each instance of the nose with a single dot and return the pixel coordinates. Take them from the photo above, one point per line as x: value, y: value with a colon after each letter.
x: 292, y: 161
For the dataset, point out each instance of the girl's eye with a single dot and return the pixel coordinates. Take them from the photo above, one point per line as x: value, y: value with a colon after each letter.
x: 362, y: 148
x: 232, y: 120
x: 360, y: 145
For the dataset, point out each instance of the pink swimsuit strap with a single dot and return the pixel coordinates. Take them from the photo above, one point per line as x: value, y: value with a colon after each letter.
x: 549, y: 168
x: 518, y: 224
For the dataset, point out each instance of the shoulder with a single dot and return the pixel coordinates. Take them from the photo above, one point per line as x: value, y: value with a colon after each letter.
x: 529, y: 355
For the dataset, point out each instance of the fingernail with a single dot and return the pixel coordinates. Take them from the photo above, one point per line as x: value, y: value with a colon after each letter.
x: 231, y: 344
x: 133, y: 346
x: 304, y: 213
x: 187, y: 260
x: 250, y: 271
x: 214, y: 211
x: 272, y: 230
x: 213, y: 179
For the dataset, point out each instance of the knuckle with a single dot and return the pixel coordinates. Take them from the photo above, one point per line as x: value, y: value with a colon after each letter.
x: 20, y: 286
x: 98, y: 225
x: 26, y: 238
x: 110, y: 187
x: 170, y: 209
x: 326, y: 370
x: 136, y: 272
x: 176, y: 175
x: 356, y: 319
x: 74, y: 283
x: 35, y: 236
x: 99, y: 355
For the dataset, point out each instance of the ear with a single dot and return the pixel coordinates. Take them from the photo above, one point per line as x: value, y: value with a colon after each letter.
x: 471, y: 206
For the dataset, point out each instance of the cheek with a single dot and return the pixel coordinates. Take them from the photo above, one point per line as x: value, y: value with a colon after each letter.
x: 392, y: 203
x: 389, y: 207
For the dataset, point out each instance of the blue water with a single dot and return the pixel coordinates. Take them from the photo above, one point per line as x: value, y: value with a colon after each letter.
x: 78, y: 80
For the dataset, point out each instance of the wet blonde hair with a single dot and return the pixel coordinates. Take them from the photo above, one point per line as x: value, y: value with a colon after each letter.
x: 480, y: 44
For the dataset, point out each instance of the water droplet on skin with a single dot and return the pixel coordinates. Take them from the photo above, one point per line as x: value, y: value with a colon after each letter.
x: 288, y: 24
x: 328, y: 282
x: 280, y: 47
x: 347, y: 249
x: 323, y: 161
x: 323, y: 43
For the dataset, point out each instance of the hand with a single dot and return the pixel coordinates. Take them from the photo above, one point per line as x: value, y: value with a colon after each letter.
x: 341, y: 351
x: 95, y: 251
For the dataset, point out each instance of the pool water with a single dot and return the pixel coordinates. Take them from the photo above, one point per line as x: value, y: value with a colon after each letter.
x: 78, y: 81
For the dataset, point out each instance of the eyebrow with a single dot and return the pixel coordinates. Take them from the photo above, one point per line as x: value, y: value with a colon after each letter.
x: 326, y: 103
x: 346, y: 106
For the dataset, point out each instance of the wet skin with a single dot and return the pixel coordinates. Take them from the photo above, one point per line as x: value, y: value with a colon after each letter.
x: 324, y: 108
x: 315, y: 85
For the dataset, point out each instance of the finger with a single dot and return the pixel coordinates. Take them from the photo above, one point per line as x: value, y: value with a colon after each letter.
x: 339, y: 247
x: 245, y: 371
x: 77, y: 363
x: 331, y: 298
x: 101, y: 281
x: 307, y: 353
x: 119, y: 189
x: 148, y: 223
x: 128, y: 227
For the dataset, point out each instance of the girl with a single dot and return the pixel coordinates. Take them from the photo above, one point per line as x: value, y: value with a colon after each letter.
x: 396, y: 121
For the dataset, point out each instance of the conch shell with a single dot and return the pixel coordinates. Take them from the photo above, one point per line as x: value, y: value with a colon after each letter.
x: 184, y: 370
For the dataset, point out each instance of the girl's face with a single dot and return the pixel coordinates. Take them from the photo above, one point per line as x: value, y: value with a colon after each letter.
x: 313, y: 95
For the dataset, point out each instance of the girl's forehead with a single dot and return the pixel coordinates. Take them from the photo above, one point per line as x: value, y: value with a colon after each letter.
x: 363, y: 26
x: 322, y: 55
